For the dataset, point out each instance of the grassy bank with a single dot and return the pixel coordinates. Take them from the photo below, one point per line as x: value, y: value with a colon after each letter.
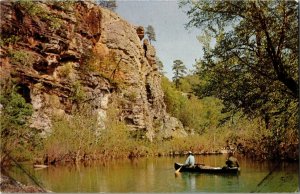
x: 78, y: 137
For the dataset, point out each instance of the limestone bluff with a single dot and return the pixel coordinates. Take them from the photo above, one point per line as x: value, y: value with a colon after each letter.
x: 53, y: 50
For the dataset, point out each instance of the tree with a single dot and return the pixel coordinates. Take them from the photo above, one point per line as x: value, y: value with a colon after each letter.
x: 179, y: 71
x: 18, y: 140
x: 254, y: 64
x: 201, y: 115
x: 150, y: 33
x: 160, y: 65
x: 109, y: 4
x: 188, y: 82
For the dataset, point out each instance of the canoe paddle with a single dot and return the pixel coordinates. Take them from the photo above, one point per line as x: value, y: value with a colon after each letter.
x: 177, y: 171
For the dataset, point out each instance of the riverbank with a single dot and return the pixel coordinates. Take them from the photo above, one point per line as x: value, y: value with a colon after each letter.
x: 155, y: 150
x: 9, y: 185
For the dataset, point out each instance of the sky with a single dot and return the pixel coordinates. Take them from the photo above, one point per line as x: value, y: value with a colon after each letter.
x: 173, y: 41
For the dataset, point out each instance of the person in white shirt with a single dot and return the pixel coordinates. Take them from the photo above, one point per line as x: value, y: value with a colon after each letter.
x: 190, y: 161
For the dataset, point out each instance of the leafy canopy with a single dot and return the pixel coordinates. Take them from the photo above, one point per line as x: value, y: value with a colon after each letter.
x: 253, y: 64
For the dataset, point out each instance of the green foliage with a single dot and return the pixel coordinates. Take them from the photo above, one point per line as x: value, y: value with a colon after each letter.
x: 115, y: 139
x: 107, y: 66
x: 150, y: 33
x: 253, y: 62
x: 73, y: 136
x: 252, y: 138
x: 63, y: 5
x: 253, y: 65
x: 55, y: 22
x: 179, y: 71
x: 15, y: 108
x: 21, y: 57
x: 131, y: 96
x: 35, y: 10
x: 80, y: 135
x: 12, y: 39
x: 214, y: 129
x: 31, y: 7
x: 17, y: 139
x: 160, y: 65
x: 174, y: 99
x: 109, y: 4
x: 78, y: 94
x: 200, y: 115
x: 66, y: 69
x: 188, y: 83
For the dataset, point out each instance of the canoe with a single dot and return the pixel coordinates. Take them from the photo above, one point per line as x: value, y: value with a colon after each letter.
x: 200, y: 168
x: 39, y: 166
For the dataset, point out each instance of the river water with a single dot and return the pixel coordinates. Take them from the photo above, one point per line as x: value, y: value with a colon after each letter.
x: 158, y: 175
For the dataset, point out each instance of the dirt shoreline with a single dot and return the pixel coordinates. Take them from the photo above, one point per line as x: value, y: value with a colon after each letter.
x: 9, y: 185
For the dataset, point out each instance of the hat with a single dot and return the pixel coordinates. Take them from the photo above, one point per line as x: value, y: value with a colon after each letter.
x: 190, y: 152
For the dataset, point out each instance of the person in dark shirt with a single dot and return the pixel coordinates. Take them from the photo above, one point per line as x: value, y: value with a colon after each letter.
x: 232, y: 161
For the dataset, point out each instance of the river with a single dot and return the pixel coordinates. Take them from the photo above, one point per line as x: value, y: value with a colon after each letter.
x: 157, y: 175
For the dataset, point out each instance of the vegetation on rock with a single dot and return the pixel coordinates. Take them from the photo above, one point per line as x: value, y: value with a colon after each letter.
x: 150, y: 33
x: 17, y: 138
x: 109, y: 4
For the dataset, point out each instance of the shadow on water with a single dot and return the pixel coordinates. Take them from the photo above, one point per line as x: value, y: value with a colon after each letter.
x: 280, y: 179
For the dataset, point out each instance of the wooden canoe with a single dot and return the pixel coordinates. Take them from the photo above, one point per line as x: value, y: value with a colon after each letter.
x: 200, y: 168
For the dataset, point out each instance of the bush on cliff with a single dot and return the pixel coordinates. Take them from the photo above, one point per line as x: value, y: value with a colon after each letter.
x: 17, y: 139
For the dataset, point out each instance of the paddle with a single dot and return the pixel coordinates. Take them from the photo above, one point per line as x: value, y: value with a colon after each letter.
x: 177, y: 171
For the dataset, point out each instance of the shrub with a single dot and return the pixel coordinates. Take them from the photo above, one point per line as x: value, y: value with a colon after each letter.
x: 78, y: 94
x: 21, y: 57
x: 34, y: 9
x: 63, y: 5
x: 115, y: 139
x: 131, y: 96
x: 12, y: 39
x: 106, y: 66
x: 72, y: 136
x: 79, y: 135
x: 66, y: 69
x: 17, y: 139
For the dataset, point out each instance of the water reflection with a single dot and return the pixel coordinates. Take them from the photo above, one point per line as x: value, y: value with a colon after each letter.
x: 195, y: 182
x: 157, y: 175
x: 189, y: 180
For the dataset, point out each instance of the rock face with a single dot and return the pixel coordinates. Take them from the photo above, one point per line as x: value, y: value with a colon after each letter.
x: 66, y: 54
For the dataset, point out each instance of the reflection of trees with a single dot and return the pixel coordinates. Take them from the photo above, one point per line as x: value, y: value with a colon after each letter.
x: 144, y: 175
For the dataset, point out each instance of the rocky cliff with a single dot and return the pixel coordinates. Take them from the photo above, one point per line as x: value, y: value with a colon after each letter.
x: 66, y: 54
